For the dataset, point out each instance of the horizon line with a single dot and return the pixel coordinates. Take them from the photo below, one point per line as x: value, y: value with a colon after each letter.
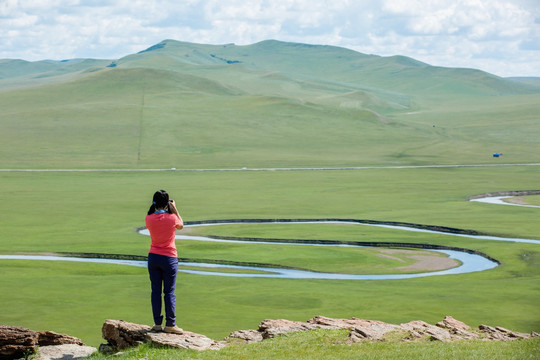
x: 433, y: 166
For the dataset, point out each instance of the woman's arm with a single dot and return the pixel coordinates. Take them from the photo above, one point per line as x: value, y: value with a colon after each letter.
x: 172, y: 206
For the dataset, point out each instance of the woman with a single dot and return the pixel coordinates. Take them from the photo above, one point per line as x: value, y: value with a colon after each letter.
x: 162, y: 221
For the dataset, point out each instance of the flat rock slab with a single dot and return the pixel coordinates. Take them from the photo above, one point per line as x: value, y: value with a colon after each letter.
x: 246, y: 335
x: 188, y: 340
x: 122, y: 334
x: 272, y: 328
x: 65, y: 352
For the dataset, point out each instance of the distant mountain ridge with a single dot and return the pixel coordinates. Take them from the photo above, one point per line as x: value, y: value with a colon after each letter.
x: 394, y: 73
x: 269, y: 104
x: 15, y: 68
x: 321, y: 64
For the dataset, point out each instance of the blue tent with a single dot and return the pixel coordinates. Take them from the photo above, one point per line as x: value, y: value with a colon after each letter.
x: 497, y: 154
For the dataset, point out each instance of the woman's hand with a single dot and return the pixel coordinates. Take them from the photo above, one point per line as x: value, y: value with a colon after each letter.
x: 172, y: 206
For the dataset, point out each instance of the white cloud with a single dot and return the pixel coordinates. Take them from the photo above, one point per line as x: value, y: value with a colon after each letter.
x: 500, y: 36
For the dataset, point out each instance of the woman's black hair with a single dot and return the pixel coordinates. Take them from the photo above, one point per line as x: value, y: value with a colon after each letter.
x: 160, y: 201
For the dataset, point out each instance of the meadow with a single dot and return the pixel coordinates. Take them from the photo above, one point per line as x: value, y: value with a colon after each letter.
x: 222, y: 117
x: 99, y: 212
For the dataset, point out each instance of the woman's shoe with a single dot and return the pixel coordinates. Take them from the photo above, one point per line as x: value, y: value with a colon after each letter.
x: 173, y: 330
x: 157, y: 328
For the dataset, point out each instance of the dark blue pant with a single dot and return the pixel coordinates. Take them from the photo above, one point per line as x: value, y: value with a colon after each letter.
x: 162, y: 270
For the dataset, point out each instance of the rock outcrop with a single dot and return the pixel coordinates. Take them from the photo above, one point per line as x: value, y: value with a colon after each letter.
x: 500, y: 333
x: 122, y: 334
x: 17, y: 342
x: 360, y: 330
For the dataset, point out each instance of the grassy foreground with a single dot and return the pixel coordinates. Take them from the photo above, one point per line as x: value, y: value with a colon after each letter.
x: 332, y: 344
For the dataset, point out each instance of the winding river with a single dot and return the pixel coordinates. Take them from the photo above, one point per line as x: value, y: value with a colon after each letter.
x: 470, y: 261
x: 500, y: 201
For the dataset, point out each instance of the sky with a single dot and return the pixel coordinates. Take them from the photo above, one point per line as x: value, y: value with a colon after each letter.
x: 498, y: 36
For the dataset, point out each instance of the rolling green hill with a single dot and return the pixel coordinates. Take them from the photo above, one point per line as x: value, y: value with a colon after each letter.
x: 535, y: 81
x: 270, y: 104
x: 328, y: 63
x: 46, y: 68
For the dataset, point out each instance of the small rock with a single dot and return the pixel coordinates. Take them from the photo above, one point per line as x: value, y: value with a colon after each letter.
x: 106, y: 348
x: 122, y: 334
x: 249, y: 336
x: 16, y: 341
x: 414, y: 335
x: 272, y: 328
x: 330, y: 323
x: 358, y: 335
x: 47, y: 338
x: 458, y: 329
x: 512, y: 334
x: 500, y: 333
x: 65, y: 352
x: 432, y: 331
x: 371, y: 330
x: 451, y: 323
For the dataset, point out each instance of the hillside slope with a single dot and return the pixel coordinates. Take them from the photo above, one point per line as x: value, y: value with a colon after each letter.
x: 329, y: 63
x: 270, y: 104
x: 300, y: 62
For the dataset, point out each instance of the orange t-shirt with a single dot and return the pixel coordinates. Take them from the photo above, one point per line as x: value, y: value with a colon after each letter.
x: 162, y: 229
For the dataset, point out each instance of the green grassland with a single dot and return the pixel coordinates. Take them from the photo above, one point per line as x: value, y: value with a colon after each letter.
x: 345, y: 260
x: 99, y: 212
x: 191, y: 106
x: 532, y: 200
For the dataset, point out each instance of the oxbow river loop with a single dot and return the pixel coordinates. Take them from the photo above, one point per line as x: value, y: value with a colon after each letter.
x: 471, y: 261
